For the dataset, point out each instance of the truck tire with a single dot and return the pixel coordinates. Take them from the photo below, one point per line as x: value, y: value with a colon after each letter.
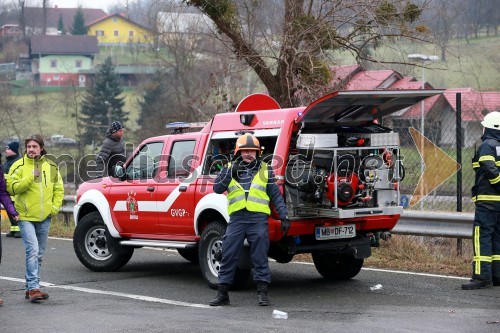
x: 189, y: 254
x: 210, y: 254
x: 335, y: 267
x: 95, y: 248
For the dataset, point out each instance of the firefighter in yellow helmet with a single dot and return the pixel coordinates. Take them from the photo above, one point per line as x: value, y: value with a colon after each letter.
x: 486, y: 195
x: 250, y: 187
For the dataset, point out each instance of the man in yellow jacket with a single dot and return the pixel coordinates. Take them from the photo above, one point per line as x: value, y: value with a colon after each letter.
x: 38, y: 188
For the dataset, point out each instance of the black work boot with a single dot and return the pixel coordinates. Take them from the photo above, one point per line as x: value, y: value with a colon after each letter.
x: 477, y: 284
x: 262, y: 294
x: 222, y: 297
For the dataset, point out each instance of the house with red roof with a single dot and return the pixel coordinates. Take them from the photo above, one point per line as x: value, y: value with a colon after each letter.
x: 11, y: 31
x: 439, y: 111
x: 34, y: 19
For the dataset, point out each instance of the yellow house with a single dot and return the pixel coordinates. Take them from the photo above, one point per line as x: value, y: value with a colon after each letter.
x: 116, y: 29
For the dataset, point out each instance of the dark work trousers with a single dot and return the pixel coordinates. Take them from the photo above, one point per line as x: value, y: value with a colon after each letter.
x: 486, y: 244
x: 257, y: 236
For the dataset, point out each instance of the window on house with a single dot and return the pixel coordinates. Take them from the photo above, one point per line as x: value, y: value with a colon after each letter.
x: 99, y: 32
x: 53, y: 63
x: 78, y: 63
x: 131, y: 33
x: 115, y: 19
x: 56, y: 77
x: 116, y: 33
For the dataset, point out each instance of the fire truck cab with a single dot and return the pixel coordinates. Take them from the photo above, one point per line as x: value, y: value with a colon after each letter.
x: 338, y: 168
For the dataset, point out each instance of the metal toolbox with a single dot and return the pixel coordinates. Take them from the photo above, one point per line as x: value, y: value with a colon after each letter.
x: 317, y: 141
x: 381, y: 139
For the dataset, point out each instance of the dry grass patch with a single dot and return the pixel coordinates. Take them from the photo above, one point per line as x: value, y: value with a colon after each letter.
x: 58, y: 228
x: 419, y: 254
x: 406, y: 253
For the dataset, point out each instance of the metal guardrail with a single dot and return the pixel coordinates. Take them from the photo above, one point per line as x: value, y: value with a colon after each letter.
x: 418, y: 223
x: 436, y: 224
x: 68, y: 204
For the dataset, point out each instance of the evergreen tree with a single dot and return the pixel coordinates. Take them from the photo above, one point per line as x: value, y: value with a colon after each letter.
x: 157, y: 107
x: 102, y: 103
x: 79, y: 27
x: 60, y: 24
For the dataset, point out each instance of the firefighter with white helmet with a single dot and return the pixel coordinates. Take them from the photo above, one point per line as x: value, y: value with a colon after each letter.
x: 486, y: 195
x: 250, y: 187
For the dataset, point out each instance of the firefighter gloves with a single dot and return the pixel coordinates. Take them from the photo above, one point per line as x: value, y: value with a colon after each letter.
x: 285, y: 225
x: 235, y: 168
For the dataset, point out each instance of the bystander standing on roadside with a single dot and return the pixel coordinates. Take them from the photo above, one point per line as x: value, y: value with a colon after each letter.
x: 112, y: 150
x: 486, y: 196
x: 9, y: 207
x: 38, y: 188
x: 11, y: 156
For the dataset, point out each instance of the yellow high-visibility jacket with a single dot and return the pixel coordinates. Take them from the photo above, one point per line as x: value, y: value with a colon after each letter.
x: 36, y: 198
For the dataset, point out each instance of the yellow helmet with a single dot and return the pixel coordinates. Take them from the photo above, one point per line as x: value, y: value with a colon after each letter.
x: 492, y: 120
x: 247, y: 141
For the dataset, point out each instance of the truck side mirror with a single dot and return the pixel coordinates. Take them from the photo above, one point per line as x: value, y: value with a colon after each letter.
x: 119, y: 171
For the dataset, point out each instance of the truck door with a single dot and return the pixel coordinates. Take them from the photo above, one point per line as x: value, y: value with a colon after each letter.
x: 133, y: 200
x: 176, y: 191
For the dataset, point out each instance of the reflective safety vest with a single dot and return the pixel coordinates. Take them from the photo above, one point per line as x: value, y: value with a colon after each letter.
x: 257, y: 199
x: 487, y: 167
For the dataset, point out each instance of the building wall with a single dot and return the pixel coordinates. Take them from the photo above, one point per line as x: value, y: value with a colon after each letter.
x: 64, y: 64
x: 448, y: 127
x: 126, y: 31
x: 62, y: 79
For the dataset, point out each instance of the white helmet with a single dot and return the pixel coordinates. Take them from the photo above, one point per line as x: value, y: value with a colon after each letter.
x: 492, y: 120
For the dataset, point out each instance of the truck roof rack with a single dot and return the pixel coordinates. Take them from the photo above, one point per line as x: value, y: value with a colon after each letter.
x: 179, y: 127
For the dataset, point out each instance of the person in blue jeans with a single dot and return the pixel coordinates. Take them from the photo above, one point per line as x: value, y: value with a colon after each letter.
x: 9, y: 207
x: 38, y: 188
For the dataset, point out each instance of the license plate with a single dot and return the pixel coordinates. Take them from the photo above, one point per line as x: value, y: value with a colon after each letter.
x: 338, y: 231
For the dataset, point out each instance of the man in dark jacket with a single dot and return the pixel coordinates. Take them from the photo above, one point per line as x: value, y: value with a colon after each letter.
x: 250, y: 187
x: 486, y: 195
x: 112, y: 150
x: 12, y: 155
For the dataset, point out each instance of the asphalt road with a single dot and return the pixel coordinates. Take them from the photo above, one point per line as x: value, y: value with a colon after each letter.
x: 159, y: 291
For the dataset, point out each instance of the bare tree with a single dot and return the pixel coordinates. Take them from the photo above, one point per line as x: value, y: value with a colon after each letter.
x: 196, y: 81
x: 22, y: 18
x: 44, y: 20
x: 292, y: 54
x: 11, y: 116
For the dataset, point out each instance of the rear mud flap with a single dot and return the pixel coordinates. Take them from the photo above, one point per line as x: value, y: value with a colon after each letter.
x: 362, y: 251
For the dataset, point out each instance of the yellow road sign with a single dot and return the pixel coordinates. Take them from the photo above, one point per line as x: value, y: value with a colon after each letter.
x: 439, y: 166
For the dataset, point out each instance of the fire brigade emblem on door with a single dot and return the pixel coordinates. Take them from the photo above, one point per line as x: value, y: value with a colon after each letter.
x: 132, y: 206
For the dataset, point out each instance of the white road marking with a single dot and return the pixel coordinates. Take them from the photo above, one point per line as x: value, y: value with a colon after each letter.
x: 195, y: 305
x: 415, y: 273
x: 113, y: 293
x: 396, y: 272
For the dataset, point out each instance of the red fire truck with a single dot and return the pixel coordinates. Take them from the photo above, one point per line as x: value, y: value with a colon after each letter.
x: 338, y: 168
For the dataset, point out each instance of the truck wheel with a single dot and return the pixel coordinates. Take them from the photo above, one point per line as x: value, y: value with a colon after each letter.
x: 336, y: 267
x: 210, y: 255
x: 95, y: 247
x: 189, y: 255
